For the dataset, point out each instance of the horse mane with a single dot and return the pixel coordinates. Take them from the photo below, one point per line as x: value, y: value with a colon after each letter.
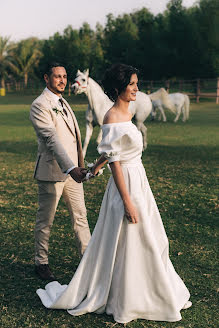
x: 98, y: 88
x: 163, y: 95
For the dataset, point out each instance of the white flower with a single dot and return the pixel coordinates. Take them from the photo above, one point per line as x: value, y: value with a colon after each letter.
x: 57, y: 110
x: 110, y: 154
x: 89, y: 174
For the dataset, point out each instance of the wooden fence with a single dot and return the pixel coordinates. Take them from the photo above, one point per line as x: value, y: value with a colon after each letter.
x: 198, y: 88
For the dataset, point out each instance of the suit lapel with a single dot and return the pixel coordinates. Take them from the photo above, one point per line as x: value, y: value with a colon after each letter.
x: 69, y: 126
x: 70, y: 111
x: 54, y: 105
x: 76, y: 133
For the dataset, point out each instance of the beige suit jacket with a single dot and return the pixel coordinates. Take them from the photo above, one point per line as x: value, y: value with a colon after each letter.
x: 59, y: 143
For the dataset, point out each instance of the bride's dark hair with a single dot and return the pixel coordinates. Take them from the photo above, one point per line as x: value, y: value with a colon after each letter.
x: 116, y: 79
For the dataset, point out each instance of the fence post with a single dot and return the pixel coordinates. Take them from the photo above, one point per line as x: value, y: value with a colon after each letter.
x: 8, y: 87
x: 217, y: 91
x: 198, y: 91
x: 151, y: 86
x: 167, y: 86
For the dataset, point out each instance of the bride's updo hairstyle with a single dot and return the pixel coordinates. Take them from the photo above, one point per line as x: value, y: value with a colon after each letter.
x: 116, y: 79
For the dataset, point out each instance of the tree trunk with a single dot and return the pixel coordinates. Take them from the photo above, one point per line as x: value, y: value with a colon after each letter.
x: 25, y: 79
x: 2, y: 83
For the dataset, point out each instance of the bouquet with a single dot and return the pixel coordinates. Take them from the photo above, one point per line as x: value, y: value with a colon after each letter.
x: 89, y: 174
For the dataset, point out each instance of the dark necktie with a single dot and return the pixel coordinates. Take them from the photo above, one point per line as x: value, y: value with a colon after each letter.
x: 62, y: 103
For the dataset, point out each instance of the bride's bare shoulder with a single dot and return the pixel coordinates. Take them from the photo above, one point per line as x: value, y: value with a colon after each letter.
x: 110, y: 117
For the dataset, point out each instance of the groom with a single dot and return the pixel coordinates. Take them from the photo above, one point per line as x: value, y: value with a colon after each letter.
x: 59, y: 166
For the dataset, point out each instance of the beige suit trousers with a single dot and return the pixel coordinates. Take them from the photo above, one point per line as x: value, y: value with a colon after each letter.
x: 49, y: 196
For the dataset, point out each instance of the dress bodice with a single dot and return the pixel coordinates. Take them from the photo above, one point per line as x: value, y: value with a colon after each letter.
x: 121, y: 142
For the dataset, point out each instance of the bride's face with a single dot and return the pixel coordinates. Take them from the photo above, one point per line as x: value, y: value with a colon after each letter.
x: 130, y: 92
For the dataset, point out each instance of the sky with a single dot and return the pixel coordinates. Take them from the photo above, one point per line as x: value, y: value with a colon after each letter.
x: 20, y: 19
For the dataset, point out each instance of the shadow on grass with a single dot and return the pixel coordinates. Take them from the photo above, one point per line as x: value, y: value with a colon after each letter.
x: 19, y: 147
x: 172, y: 153
x: 27, y: 99
x: 169, y: 153
x: 16, y: 119
x: 17, y: 271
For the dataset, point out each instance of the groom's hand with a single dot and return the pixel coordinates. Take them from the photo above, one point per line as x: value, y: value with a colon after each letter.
x: 78, y: 174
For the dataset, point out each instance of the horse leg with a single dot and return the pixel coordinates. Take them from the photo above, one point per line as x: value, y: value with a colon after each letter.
x: 184, y: 113
x: 141, y: 127
x: 162, y: 114
x: 99, y: 137
x: 153, y: 113
x: 178, y: 112
x: 89, y: 131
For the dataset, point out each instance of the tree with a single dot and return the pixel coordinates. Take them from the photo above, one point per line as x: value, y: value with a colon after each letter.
x: 120, y: 40
x: 208, y: 22
x: 178, y: 43
x: 192, y: 39
x: 6, y: 58
x: 178, y: 36
x: 147, y: 55
x: 27, y: 55
x: 75, y: 49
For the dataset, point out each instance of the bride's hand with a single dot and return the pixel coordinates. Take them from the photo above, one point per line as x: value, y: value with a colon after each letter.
x: 94, y: 171
x: 131, y: 212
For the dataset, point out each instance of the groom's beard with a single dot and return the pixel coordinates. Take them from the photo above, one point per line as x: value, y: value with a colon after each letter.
x: 57, y: 89
x: 61, y: 87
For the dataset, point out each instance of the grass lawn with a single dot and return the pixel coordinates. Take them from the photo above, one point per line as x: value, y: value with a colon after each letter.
x: 180, y: 162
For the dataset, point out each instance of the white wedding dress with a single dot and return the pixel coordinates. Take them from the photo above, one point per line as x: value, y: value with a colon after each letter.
x: 125, y: 270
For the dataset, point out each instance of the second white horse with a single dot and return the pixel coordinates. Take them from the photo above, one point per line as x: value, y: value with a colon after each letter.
x: 177, y: 103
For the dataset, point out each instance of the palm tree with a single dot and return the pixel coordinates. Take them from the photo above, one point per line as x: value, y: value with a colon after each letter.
x: 6, y: 59
x: 27, y: 56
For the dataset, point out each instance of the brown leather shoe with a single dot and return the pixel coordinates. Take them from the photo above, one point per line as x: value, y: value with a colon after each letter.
x: 44, y: 272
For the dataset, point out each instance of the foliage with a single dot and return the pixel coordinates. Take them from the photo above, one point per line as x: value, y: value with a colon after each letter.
x: 208, y: 21
x: 74, y: 49
x: 6, y: 59
x: 120, y: 31
x: 181, y: 167
x: 27, y: 55
x: 178, y: 43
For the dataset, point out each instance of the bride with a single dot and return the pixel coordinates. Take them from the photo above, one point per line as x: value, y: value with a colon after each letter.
x: 126, y: 270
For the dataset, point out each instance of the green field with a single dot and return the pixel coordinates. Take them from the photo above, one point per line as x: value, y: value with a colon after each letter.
x: 180, y: 162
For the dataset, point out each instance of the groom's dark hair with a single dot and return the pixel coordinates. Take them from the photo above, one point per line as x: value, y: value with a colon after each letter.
x: 50, y: 67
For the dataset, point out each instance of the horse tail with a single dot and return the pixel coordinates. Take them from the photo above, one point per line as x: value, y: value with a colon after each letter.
x: 187, y: 104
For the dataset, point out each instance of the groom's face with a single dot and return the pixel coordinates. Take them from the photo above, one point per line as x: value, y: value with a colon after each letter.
x: 57, y: 80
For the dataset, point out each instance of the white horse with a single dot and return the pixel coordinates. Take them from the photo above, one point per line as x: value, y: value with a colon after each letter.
x: 99, y: 104
x: 177, y: 103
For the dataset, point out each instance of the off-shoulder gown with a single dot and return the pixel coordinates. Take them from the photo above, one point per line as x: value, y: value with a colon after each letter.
x: 125, y: 270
